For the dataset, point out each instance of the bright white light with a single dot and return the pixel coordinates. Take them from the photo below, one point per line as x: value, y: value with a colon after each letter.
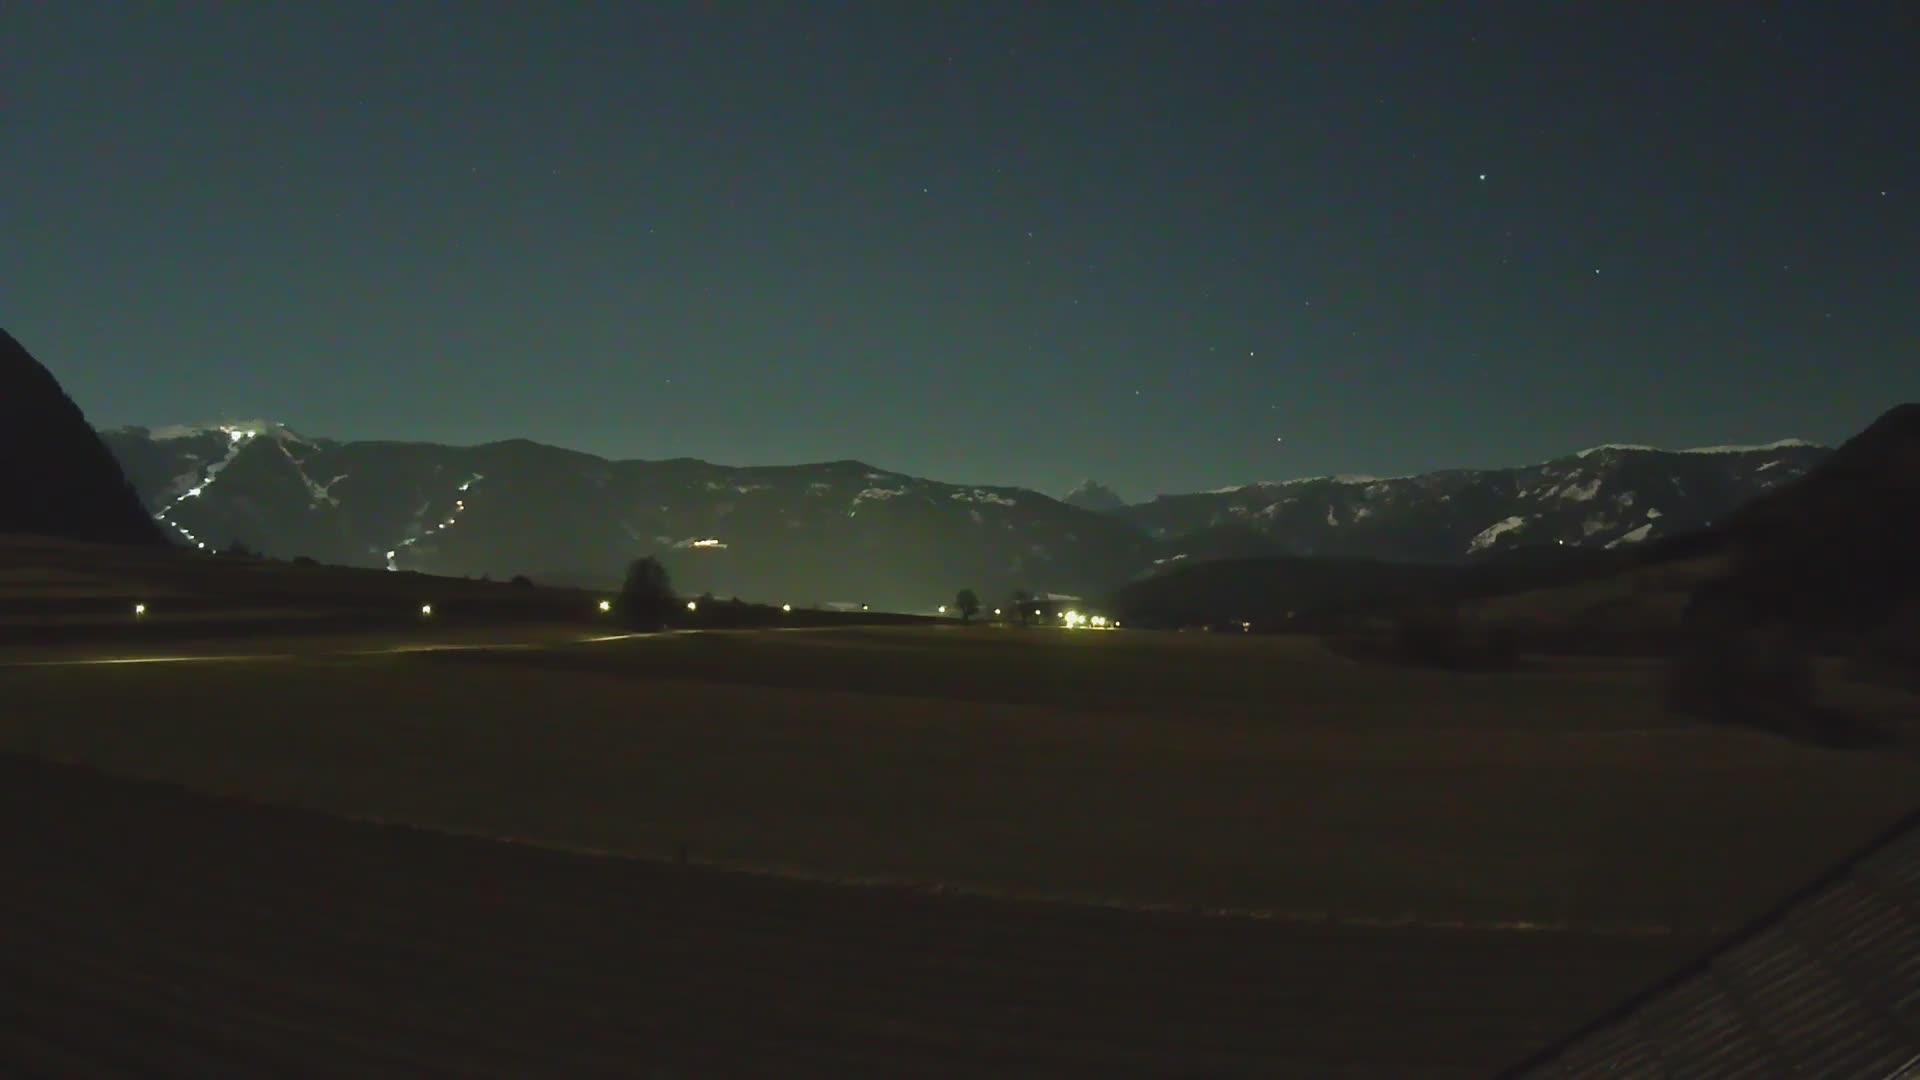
x: 996, y: 611
x: 391, y: 554
x: 606, y: 606
x: 1246, y: 627
x: 693, y: 605
x: 202, y: 544
x: 943, y: 609
x: 863, y: 607
x: 139, y: 609
x: 426, y: 609
x: 786, y: 607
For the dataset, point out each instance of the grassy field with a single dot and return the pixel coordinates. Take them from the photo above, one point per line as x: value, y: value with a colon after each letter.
x: 1220, y: 771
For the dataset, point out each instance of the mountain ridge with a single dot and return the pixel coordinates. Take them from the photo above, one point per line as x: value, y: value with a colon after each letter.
x: 847, y: 529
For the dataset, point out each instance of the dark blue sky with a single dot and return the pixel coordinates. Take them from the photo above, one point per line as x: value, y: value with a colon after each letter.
x: 987, y: 242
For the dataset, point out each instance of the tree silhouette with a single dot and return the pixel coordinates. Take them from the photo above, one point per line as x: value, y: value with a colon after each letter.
x: 968, y: 603
x: 1023, y: 604
x: 647, y: 597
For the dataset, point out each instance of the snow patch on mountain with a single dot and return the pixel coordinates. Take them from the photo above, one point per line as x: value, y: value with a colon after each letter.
x: 981, y: 495
x: 1485, y: 538
x: 1579, y: 492
x: 1633, y: 537
x: 1342, y: 478
x: 1759, y: 448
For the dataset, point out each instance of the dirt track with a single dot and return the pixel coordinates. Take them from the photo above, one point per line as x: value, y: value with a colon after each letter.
x: 148, y: 930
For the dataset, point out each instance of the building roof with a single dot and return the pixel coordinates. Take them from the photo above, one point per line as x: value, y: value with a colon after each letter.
x: 1825, y: 985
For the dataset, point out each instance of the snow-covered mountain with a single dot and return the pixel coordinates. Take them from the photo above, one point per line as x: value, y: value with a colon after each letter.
x: 1606, y: 496
x: 1095, y: 496
x: 838, y: 531
x: 846, y: 531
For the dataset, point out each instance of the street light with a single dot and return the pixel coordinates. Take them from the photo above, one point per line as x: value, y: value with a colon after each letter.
x: 693, y: 605
x: 943, y: 609
x: 139, y: 610
x: 786, y: 607
x: 606, y: 606
x: 426, y: 611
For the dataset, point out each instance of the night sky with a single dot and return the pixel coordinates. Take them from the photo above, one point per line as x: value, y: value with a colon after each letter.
x: 986, y: 242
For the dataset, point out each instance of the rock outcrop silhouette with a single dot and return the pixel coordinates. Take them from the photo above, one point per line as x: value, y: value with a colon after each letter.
x: 56, y: 477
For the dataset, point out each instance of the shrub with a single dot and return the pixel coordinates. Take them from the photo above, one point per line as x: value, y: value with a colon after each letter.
x: 1438, y: 639
x: 305, y: 560
x: 646, y: 599
x: 1755, y: 676
x: 1890, y: 656
x: 522, y: 581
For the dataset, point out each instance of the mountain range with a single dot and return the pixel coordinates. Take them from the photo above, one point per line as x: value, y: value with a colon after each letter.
x: 847, y: 531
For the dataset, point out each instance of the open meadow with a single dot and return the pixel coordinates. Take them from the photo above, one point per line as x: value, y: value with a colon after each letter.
x: 1256, y: 774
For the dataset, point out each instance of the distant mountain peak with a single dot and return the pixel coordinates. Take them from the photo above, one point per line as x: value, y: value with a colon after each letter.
x: 1095, y: 496
x: 234, y: 430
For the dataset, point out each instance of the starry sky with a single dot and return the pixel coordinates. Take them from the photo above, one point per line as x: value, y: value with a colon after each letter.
x: 1168, y: 246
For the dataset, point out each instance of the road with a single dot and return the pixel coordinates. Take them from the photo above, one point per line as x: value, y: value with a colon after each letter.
x: 149, y: 931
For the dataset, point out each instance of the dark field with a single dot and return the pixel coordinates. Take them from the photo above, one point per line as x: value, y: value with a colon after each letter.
x: 147, y: 932
x: 1449, y: 869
